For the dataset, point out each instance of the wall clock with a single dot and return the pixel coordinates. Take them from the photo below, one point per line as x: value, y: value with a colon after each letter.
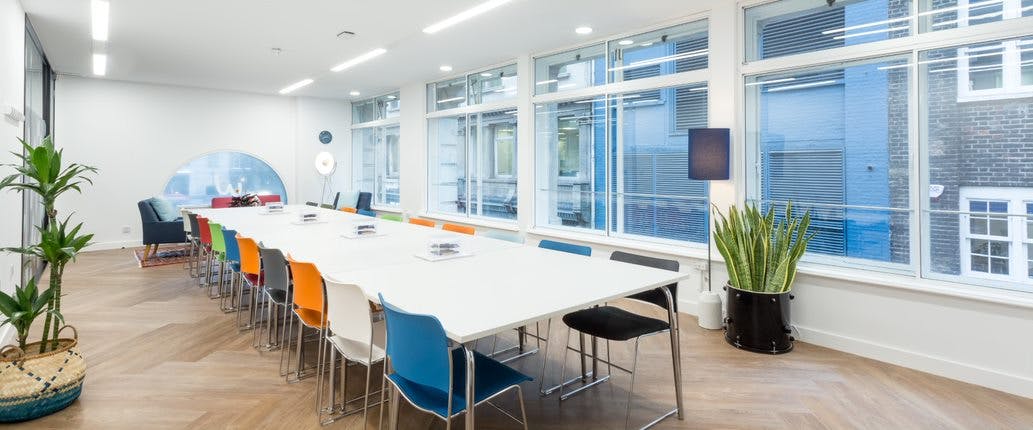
x: 325, y: 137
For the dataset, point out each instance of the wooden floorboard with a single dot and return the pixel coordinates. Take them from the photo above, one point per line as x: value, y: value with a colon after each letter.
x: 161, y: 355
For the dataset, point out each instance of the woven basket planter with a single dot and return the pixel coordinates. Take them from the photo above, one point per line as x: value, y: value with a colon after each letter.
x: 36, y: 385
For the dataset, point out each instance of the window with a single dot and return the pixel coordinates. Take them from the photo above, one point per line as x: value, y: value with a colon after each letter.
x: 222, y: 173
x: 996, y: 226
x: 834, y: 141
x: 995, y: 70
x: 616, y: 164
x: 947, y: 14
x: 791, y: 27
x: 375, y: 149
x: 472, y: 162
x: 978, y: 152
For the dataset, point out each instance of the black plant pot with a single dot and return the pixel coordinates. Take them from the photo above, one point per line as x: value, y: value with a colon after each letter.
x: 758, y: 322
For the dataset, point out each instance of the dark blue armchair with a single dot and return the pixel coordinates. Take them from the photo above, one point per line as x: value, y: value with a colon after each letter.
x: 156, y: 232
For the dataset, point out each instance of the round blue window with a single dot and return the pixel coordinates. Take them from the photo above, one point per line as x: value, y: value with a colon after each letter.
x: 222, y: 174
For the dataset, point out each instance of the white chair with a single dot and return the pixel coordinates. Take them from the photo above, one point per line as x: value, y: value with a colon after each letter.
x: 358, y: 335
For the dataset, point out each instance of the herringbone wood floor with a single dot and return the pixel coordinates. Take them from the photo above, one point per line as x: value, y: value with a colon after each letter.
x: 161, y: 355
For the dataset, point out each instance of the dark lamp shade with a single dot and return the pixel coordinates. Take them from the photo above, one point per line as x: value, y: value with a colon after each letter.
x: 708, y: 153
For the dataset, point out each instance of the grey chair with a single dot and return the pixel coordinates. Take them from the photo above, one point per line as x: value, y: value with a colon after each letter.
x: 277, y: 290
x: 195, y: 246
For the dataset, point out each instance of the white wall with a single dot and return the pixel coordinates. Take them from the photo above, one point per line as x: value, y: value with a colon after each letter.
x: 315, y: 115
x: 12, y: 90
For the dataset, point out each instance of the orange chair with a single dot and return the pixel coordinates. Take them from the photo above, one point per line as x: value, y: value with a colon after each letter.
x: 459, y: 229
x: 308, y: 307
x: 251, y: 273
x: 423, y: 222
x: 349, y: 210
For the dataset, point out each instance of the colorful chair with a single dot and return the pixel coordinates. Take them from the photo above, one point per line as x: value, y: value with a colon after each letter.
x: 573, y: 249
x: 309, y: 312
x: 232, y: 257
x: 503, y: 235
x: 349, y: 210
x: 566, y: 247
x: 431, y: 376
x: 367, y: 213
x: 205, y: 256
x: 251, y: 280
x: 392, y: 217
x: 277, y: 292
x: 423, y: 222
x: 356, y: 335
x: 459, y: 229
x: 218, y: 255
x: 195, y: 246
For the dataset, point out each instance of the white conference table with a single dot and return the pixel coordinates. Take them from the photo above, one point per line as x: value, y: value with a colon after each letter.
x: 500, y: 286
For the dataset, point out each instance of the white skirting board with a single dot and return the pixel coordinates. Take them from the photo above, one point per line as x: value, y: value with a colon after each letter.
x: 104, y: 246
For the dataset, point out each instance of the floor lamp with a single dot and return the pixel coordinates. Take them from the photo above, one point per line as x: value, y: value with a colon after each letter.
x: 709, y: 150
x: 325, y: 165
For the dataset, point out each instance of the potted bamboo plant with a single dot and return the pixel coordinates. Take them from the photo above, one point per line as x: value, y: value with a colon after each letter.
x: 47, y: 375
x: 760, y: 254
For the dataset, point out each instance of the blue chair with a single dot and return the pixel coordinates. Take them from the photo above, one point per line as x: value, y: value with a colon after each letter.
x: 157, y: 230
x: 431, y: 376
x: 366, y: 213
x: 566, y: 247
x: 226, y: 303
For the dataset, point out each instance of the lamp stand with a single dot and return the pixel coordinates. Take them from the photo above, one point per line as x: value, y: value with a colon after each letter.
x: 709, y: 304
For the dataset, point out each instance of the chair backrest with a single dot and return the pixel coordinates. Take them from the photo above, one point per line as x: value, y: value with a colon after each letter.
x: 392, y: 217
x: 349, y: 210
x: 147, y: 212
x: 367, y: 213
x: 365, y: 198
x: 221, y: 202
x: 266, y: 198
x: 566, y: 247
x: 250, y: 259
x: 423, y: 222
x: 205, y: 230
x: 347, y: 311
x: 459, y: 228
x: 275, y: 269
x: 312, y: 204
x: 326, y: 206
x: 195, y: 229
x: 503, y: 235
x: 308, y: 285
x: 656, y: 296
x: 418, y: 347
x: 218, y: 241
x: 337, y: 199
x: 229, y: 237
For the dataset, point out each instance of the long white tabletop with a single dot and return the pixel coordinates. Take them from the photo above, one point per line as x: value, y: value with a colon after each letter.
x: 500, y: 286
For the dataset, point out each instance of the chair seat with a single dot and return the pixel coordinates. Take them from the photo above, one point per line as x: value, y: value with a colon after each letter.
x: 613, y: 323
x: 311, y: 318
x: 360, y: 351
x: 277, y: 296
x: 492, y: 378
x: 253, y: 279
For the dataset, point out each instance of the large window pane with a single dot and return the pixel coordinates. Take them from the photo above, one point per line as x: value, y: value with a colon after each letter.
x: 447, y: 162
x: 976, y: 141
x: 220, y: 174
x: 652, y: 193
x: 364, y: 149
x: 446, y: 94
x: 835, y: 141
x: 662, y: 52
x: 571, y: 163
x: 493, y: 85
x: 579, y: 68
x: 383, y: 107
x: 388, y: 167
x: 473, y: 164
x: 947, y: 14
x: 796, y: 26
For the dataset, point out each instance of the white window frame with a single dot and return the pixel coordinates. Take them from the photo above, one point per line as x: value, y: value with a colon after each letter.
x: 1011, y: 57
x: 379, y: 127
x: 1016, y: 198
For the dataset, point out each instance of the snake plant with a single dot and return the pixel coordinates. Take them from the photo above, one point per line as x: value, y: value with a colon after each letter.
x: 760, y: 254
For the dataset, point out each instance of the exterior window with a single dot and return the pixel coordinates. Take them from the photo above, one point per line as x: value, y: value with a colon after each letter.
x: 997, y: 234
x: 947, y: 14
x: 570, y: 70
x: 662, y: 52
x: 472, y: 162
x: 996, y: 70
x: 782, y: 28
x: 375, y: 155
x: 976, y: 155
x: 220, y: 174
x: 835, y: 141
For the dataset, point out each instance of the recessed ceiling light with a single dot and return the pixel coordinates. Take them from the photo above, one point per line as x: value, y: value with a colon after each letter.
x: 296, y: 85
x: 99, y: 13
x: 355, y: 93
x: 583, y: 30
x: 464, y: 15
x: 364, y: 57
x: 100, y: 64
x: 445, y: 68
x: 626, y: 42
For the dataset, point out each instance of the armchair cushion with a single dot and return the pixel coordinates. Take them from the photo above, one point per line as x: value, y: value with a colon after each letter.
x: 163, y: 209
x: 156, y: 231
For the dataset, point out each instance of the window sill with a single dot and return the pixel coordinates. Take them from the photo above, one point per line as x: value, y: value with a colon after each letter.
x: 391, y: 209
x: 480, y: 222
x: 690, y: 250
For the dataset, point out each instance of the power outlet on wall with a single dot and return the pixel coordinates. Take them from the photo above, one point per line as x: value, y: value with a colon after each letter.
x: 125, y: 229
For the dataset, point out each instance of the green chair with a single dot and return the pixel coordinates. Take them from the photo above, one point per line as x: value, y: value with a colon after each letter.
x: 218, y: 254
x: 392, y: 217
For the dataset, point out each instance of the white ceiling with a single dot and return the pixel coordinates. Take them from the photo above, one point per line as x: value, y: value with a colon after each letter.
x: 227, y: 44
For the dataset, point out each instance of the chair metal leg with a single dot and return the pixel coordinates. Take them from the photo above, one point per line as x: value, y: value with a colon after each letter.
x: 631, y: 387
x: 285, y: 336
x: 383, y: 393
x: 545, y: 360
x: 523, y: 411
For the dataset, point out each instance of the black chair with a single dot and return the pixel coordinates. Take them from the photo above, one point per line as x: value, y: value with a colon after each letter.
x: 365, y: 199
x: 615, y: 324
x: 157, y: 232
